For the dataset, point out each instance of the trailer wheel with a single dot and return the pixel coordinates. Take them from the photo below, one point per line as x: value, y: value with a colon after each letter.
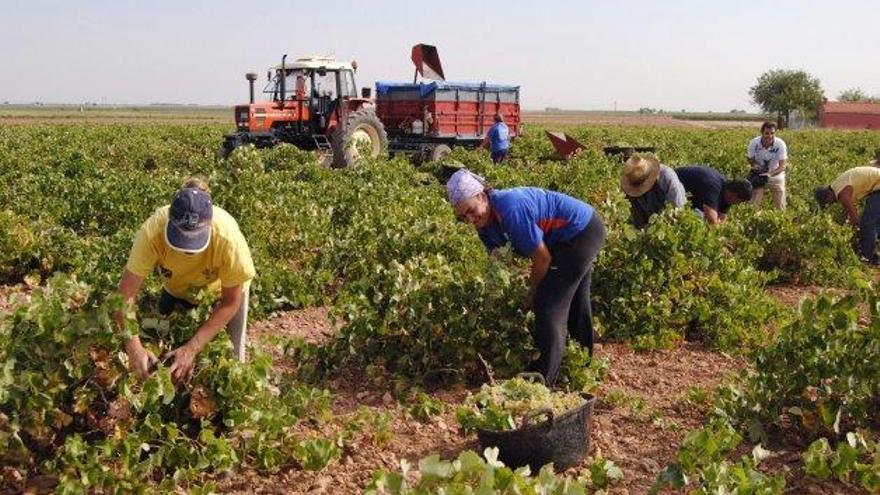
x: 363, y: 135
x: 440, y: 152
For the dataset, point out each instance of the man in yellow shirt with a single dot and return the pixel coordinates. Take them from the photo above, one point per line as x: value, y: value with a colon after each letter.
x: 192, y: 245
x: 848, y: 189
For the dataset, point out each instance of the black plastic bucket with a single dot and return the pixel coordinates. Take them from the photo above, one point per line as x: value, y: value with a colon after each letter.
x: 563, y: 440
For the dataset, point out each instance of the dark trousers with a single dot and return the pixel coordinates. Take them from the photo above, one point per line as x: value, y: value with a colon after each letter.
x: 562, y: 300
x: 169, y: 304
x: 498, y: 156
x: 869, y: 225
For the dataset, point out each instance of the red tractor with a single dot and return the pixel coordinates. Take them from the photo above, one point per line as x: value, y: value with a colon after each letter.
x: 314, y: 105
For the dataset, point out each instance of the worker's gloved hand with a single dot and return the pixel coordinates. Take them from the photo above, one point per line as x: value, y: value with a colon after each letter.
x: 184, y: 359
x: 139, y: 359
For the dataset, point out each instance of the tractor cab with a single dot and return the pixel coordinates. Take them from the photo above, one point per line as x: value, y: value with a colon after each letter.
x: 311, y: 103
x: 317, y: 83
x: 313, y: 77
x: 304, y: 95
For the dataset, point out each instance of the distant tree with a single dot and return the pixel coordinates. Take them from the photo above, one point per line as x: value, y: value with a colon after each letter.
x: 852, y: 94
x: 736, y: 110
x: 647, y: 111
x: 856, y: 94
x: 780, y: 91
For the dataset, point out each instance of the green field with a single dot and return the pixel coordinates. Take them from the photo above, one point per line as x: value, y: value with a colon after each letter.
x: 413, y: 303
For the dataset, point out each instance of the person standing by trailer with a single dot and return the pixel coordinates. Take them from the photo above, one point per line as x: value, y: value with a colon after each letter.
x: 768, y: 155
x: 560, y: 234
x: 498, y: 140
x: 192, y: 245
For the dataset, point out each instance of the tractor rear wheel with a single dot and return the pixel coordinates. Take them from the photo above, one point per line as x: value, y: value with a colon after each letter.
x: 362, y: 135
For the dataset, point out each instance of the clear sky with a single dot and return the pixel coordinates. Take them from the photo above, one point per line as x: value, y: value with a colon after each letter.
x: 676, y: 54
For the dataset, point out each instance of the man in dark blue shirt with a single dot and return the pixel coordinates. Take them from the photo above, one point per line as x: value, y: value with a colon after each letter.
x: 711, y: 194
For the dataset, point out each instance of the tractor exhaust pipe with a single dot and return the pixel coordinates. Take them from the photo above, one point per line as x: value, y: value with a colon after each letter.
x: 251, y: 77
x: 283, y: 79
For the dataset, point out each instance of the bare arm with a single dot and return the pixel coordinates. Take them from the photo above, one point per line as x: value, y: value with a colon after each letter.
x: 751, y: 159
x: 139, y: 359
x: 845, y: 197
x: 129, y: 286
x: 711, y: 215
x: 540, y: 265
x: 780, y: 169
x: 220, y: 316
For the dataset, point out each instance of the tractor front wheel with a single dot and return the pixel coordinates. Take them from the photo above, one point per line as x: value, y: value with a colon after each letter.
x: 362, y: 135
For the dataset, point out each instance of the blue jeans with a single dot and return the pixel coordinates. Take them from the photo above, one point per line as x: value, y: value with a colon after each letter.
x: 869, y: 225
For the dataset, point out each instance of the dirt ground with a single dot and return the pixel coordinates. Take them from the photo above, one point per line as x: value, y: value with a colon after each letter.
x: 647, y: 404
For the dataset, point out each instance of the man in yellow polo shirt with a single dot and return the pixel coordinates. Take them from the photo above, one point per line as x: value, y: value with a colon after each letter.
x: 848, y: 189
x: 192, y: 245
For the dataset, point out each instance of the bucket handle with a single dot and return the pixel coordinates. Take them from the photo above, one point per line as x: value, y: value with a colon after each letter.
x: 527, y: 420
x: 532, y: 375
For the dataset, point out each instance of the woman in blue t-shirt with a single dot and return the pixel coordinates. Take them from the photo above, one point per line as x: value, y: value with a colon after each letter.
x: 561, y: 235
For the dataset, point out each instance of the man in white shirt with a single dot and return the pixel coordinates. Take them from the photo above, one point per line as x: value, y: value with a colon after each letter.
x: 767, y: 155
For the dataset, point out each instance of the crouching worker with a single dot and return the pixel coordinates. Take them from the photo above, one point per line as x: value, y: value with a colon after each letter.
x: 649, y: 187
x: 560, y: 234
x: 848, y: 189
x: 712, y: 194
x: 192, y: 245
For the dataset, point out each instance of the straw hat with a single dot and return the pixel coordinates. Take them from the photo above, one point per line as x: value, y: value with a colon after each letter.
x: 639, y: 174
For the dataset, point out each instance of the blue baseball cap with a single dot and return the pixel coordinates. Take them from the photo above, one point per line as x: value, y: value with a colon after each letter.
x: 189, y: 220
